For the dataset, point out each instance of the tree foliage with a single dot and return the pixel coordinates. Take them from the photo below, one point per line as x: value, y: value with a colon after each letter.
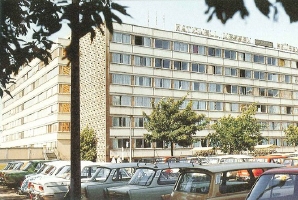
x: 170, y: 124
x: 37, y: 20
x: 292, y: 135
x: 225, y: 10
x: 236, y: 134
x: 88, y: 140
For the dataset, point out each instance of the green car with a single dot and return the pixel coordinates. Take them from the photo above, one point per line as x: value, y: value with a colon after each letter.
x: 13, y: 165
x: 14, y: 178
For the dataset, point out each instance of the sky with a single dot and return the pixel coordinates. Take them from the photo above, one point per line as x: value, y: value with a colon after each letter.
x: 164, y: 14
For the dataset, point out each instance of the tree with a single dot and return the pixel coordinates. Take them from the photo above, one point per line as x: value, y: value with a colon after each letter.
x: 292, y: 135
x: 169, y: 124
x: 237, y: 134
x: 225, y: 10
x: 88, y: 144
x: 17, y: 17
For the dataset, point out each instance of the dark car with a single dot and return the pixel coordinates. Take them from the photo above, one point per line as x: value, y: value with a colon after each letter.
x: 276, y: 184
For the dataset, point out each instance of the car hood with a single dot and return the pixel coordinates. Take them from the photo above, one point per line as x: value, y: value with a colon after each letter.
x: 126, y: 188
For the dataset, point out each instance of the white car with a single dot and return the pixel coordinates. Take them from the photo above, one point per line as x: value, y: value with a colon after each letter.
x: 55, y: 187
x: 48, y: 169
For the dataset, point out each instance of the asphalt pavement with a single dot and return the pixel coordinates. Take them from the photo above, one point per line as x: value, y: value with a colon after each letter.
x: 10, y: 194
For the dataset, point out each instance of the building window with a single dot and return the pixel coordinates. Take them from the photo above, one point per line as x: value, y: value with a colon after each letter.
x: 139, y: 122
x: 199, y: 86
x: 121, y: 143
x: 142, y: 61
x: 64, y: 70
x: 234, y: 107
x: 213, y: 87
x: 143, y: 102
x: 232, y: 89
x: 199, y: 105
x: 162, y: 44
x: 214, y: 52
x: 162, y: 83
x: 121, y: 100
x: 121, y: 58
x: 273, y: 93
x: 181, y: 85
x: 179, y: 46
x: 245, y: 90
x: 259, y: 59
x: 195, y: 67
x: 143, y: 41
x: 286, y: 110
x: 230, y: 71
x: 217, y: 70
x: 215, y: 105
x: 271, y: 61
x: 259, y: 75
x: 178, y: 65
x: 244, y: 57
x: 245, y: 73
x: 288, y: 79
x: 272, y: 77
x: 64, y: 126
x: 142, y: 143
x: 121, y: 38
x: 63, y: 89
x: 230, y: 54
x: 198, y: 49
x: 121, y: 122
x: 261, y: 108
x: 64, y: 107
x: 273, y: 109
x: 262, y: 92
x: 143, y: 81
x: 162, y: 63
x: 121, y: 79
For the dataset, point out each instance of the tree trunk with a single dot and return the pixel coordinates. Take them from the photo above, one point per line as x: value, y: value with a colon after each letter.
x: 75, y: 184
x: 172, y: 148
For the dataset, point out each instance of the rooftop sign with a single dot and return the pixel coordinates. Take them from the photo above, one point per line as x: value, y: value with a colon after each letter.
x: 195, y: 31
x: 287, y: 47
x: 263, y: 43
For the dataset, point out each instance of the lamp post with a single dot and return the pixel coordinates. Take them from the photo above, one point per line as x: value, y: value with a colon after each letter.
x: 130, y: 139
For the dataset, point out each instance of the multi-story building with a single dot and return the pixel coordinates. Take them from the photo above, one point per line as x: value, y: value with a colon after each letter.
x: 121, y: 74
x: 38, y: 115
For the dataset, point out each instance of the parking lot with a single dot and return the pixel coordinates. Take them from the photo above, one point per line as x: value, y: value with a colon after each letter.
x: 10, y: 194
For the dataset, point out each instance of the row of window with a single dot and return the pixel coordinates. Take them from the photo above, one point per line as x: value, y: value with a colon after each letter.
x: 142, y: 143
x: 200, y: 49
x: 143, y: 81
x: 203, y: 68
x: 59, y: 126
x: 143, y: 101
x: 138, y: 122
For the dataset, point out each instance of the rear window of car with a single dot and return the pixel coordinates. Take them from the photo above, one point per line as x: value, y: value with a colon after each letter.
x: 273, y: 186
x: 236, y: 181
x: 168, y: 176
x: 194, y: 183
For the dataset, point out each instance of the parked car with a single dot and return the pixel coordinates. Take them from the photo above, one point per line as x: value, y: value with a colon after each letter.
x: 14, y: 178
x: 194, y: 159
x: 271, y: 158
x: 55, y: 187
x: 290, y: 161
x: 150, y: 181
x: 218, y: 181
x: 276, y: 184
x: 229, y: 159
x: 107, y: 175
x: 10, y: 166
x: 49, y: 169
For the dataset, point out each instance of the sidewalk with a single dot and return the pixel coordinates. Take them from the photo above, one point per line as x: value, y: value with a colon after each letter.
x: 10, y: 194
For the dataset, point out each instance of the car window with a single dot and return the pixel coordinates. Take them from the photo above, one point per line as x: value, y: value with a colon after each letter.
x: 101, y: 174
x: 143, y: 176
x: 168, y: 176
x: 194, y: 183
x: 121, y: 174
x: 88, y: 171
x: 274, y: 186
x: 236, y: 181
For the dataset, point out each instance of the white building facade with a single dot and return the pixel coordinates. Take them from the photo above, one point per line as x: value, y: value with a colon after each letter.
x: 122, y: 73
x: 220, y: 75
x: 38, y: 115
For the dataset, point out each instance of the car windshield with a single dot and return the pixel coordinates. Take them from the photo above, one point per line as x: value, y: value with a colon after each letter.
x: 18, y: 166
x: 101, y: 174
x: 274, y: 185
x: 64, y: 172
x: 194, y: 183
x: 143, y: 176
x: 27, y: 166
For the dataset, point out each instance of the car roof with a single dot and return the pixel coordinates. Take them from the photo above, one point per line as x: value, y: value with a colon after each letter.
x: 161, y: 166
x: 118, y: 165
x: 286, y: 170
x: 234, y: 166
